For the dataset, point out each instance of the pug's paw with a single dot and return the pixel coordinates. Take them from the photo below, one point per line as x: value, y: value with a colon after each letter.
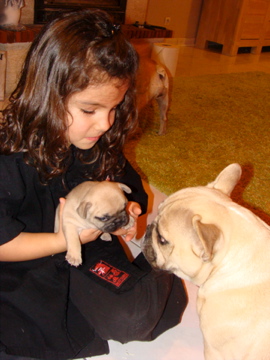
x: 74, y: 259
x: 106, y: 237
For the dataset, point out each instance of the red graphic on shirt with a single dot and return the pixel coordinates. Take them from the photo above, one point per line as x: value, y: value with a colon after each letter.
x: 109, y: 273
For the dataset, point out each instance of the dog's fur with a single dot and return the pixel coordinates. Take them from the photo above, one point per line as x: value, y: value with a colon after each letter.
x: 201, y: 235
x: 92, y: 204
x: 153, y: 84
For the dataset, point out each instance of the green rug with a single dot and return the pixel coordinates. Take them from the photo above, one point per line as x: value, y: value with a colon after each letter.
x: 213, y: 120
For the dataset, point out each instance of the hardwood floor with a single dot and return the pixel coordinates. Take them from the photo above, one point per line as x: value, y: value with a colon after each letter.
x: 193, y: 61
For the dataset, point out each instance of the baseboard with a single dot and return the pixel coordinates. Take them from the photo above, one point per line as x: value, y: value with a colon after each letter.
x: 181, y: 41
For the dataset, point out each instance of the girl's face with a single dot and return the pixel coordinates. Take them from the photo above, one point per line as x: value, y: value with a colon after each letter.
x: 91, y: 112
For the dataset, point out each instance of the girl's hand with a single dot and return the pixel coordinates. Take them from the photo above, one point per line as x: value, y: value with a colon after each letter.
x: 133, y: 210
x: 88, y: 235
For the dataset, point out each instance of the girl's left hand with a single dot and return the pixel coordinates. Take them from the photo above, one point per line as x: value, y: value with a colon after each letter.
x: 133, y: 210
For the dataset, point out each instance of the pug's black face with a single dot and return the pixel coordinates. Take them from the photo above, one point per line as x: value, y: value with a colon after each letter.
x: 147, y: 245
x: 110, y: 223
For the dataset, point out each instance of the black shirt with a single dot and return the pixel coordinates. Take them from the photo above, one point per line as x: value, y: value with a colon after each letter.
x: 37, y: 318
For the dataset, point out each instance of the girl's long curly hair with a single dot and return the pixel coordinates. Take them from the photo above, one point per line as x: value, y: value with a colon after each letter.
x: 74, y: 51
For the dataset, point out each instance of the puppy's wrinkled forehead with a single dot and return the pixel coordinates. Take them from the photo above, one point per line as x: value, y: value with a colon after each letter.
x: 111, y: 200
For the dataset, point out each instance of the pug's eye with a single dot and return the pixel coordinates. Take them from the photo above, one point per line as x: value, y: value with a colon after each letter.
x: 103, y: 218
x: 162, y: 241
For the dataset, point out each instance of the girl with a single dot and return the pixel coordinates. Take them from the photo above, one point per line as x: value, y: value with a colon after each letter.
x: 67, y: 122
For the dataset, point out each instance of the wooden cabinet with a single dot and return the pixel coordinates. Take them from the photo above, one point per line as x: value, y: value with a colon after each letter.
x: 234, y: 24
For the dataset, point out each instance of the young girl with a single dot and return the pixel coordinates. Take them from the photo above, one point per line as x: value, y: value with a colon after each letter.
x: 67, y: 122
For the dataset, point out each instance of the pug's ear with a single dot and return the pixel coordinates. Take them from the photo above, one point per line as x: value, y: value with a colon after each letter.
x: 227, y: 179
x: 125, y: 188
x: 205, y: 238
x: 83, y: 209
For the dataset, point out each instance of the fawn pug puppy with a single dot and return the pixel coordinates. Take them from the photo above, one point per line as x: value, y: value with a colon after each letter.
x: 201, y: 235
x: 92, y: 204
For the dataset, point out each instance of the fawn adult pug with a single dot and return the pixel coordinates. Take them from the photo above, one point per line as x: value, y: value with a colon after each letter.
x: 153, y: 84
x: 92, y: 204
x: 201, y: 235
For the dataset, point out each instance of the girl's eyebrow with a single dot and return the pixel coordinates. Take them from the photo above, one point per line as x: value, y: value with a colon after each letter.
x: 87, y: 102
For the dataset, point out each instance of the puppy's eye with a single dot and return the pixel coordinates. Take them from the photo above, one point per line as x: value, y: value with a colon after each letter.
x: 103, y: 218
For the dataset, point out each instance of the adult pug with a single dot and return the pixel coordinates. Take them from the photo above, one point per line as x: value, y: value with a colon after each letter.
x: 201, y: 235
x: 93, y: 204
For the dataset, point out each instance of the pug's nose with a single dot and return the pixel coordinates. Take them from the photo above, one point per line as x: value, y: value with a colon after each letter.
x: 122, y: 222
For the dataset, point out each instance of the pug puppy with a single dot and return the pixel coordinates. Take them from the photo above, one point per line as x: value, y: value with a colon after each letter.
x: 202, y: 236
x: 93, y: 204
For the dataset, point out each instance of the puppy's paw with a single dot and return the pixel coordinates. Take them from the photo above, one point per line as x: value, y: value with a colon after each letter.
x: 106, y: 237
x: 74, y: 260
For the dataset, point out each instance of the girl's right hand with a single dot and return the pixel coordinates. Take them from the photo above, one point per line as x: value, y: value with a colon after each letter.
x: 88, y: 235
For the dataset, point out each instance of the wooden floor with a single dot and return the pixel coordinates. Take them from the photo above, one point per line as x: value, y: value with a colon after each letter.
x: 193, y: 61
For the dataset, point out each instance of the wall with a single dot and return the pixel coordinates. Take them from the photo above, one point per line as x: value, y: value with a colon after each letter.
x: 184, y: 16
x: 27, y: 16
x: 136, y: 11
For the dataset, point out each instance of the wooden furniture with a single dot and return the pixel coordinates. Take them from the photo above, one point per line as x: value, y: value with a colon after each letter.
x: 22, y: 36
x: 130, y: 31
x: 46, y: 10
x: 133, y: 32
x: 235, y: 24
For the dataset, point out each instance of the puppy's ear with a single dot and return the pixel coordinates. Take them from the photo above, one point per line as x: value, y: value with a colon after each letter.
x: 125, y: 188
x: 205, y: 238
x: 227, y: 179
x: 83, y: 209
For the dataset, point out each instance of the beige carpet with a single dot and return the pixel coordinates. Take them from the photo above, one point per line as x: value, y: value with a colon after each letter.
x: 214, y: 120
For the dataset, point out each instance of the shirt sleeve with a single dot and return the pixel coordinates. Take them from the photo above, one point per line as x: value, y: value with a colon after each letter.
x: 12, y: 191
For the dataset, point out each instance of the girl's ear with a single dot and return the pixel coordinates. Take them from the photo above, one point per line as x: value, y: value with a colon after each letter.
x: 83, y: 209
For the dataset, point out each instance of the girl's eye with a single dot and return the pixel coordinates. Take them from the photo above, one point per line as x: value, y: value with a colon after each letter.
x: 91, y: 112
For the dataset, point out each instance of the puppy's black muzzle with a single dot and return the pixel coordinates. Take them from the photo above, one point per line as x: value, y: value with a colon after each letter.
x: 116, y: 222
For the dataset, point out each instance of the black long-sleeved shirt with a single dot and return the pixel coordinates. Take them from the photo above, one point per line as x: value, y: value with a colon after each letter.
x: 37, y: 318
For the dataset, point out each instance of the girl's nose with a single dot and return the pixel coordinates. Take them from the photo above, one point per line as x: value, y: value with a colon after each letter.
x: 105, y: 122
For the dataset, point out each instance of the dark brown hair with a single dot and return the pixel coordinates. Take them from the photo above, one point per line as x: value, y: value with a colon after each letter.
x: 72, y: 52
